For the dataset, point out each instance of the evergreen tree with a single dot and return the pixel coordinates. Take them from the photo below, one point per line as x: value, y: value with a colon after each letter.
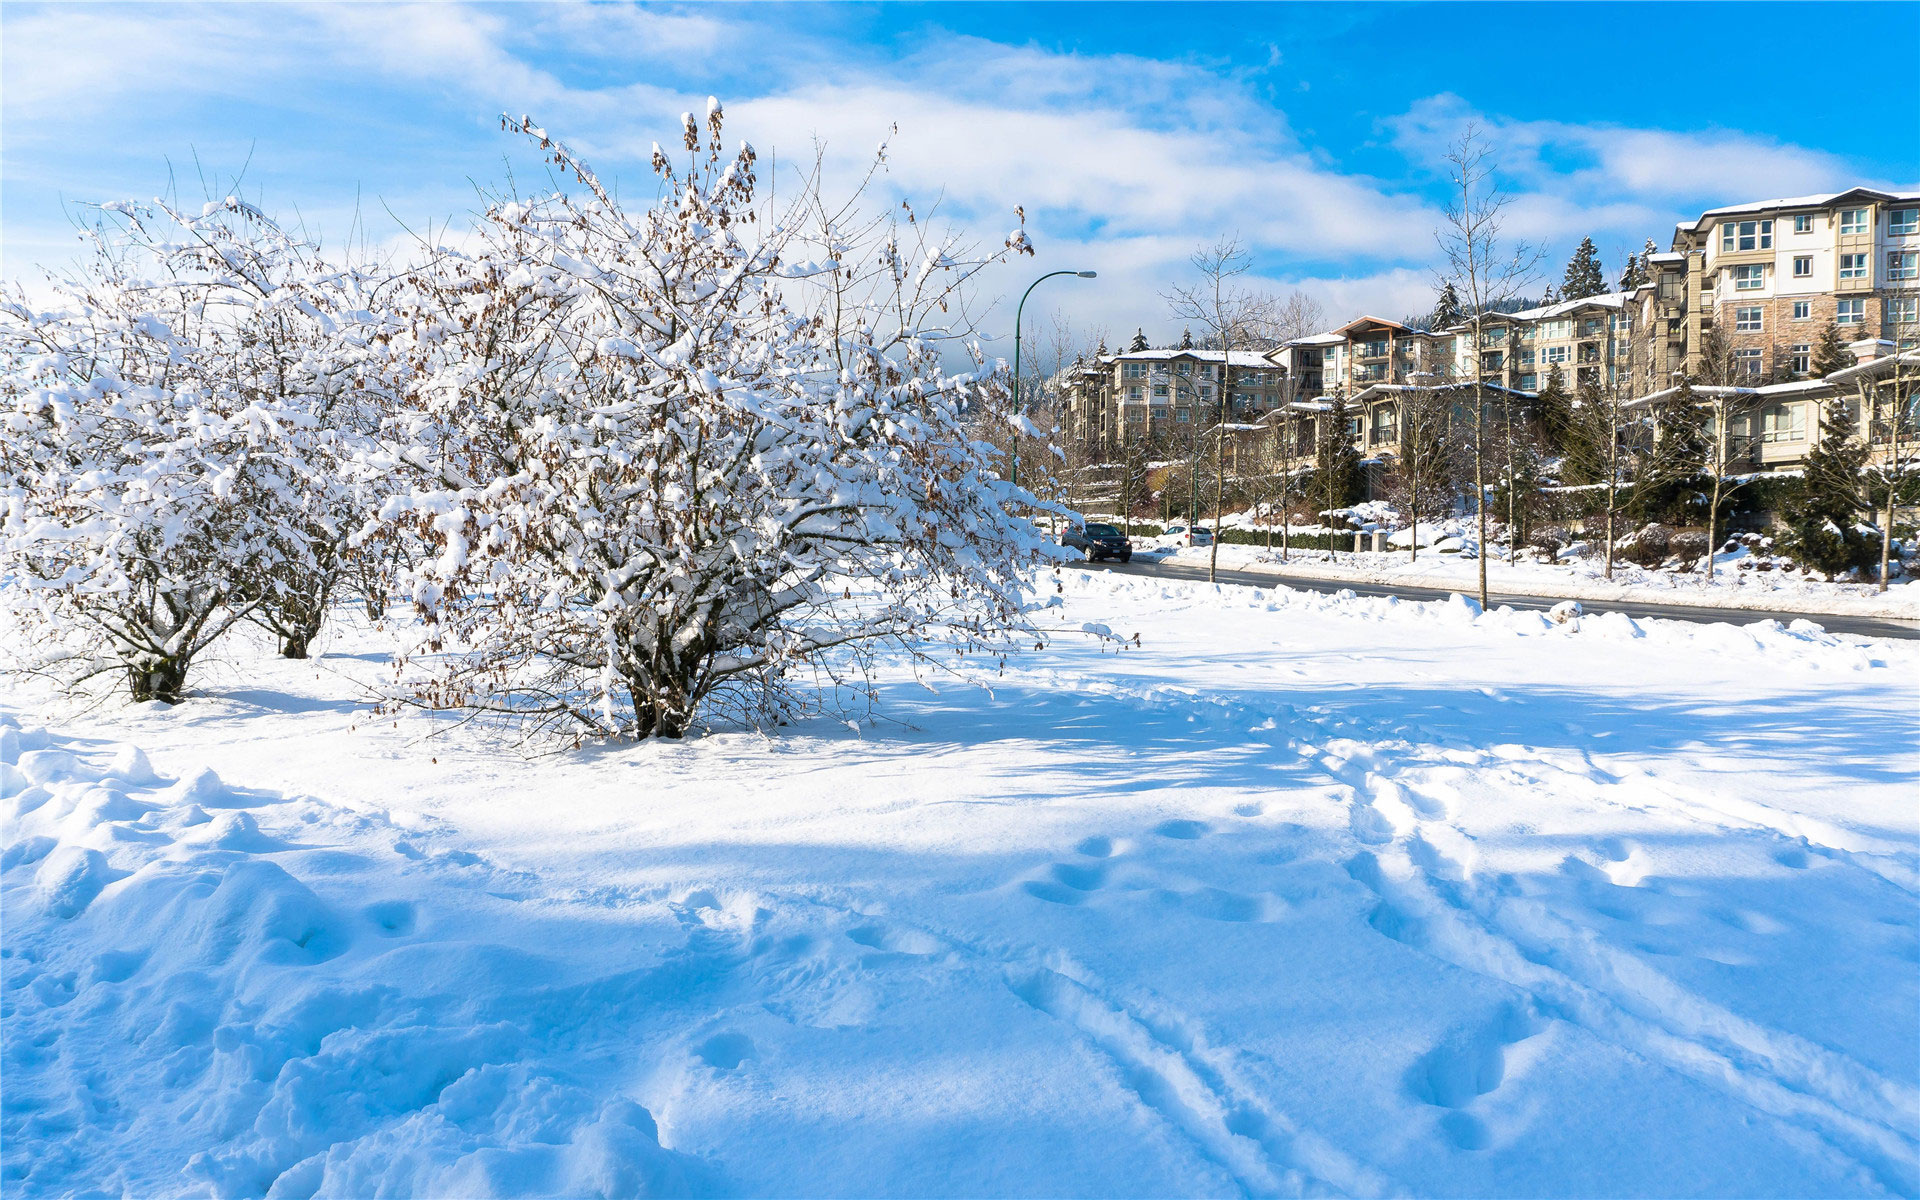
x: 1583, y: 276
x: 1549, y: 297
x: 1186, y: 339
x: 1446, y: 309
x: 1584, y: 457
x: 1830, y: 354
x: 1139, y: 342
x: 1554, y: 404
x: 1339, y: 481
x: 1821, y: 511
x: 1669, y: 483
x: 1633, y: 275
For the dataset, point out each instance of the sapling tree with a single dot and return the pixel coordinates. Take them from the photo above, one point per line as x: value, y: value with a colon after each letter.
x: 667, y: 460
x: 1487, y: 273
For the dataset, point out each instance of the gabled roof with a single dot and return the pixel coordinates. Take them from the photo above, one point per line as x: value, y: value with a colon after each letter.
x: 1358, y: 321
x: 1822, y: 201
x: 1319, y: 339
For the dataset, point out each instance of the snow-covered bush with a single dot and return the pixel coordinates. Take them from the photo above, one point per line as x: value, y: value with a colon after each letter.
x: 308, y: 345
x: 142, y: 490
x: 1648, y: 546
x: 664, y: 459
x: 1689, y: 546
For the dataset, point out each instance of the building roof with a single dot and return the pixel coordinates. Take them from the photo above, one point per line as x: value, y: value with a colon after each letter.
x: 1550, y: 311
x: 1820, y: 201
x: 1364, y: 320
x: 1908, y: 359
x: 1319, y: 339
x: 1241, y: 358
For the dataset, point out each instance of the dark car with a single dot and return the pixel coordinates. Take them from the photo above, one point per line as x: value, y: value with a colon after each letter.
x: 1098, y: 541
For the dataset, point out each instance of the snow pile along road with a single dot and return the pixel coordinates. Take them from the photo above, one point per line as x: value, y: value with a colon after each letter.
x: 1306, y: 894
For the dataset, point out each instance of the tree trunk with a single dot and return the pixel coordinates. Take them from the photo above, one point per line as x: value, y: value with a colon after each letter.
x: 1713, y: 524
x: 163, y: 681
x: 1886, y: 540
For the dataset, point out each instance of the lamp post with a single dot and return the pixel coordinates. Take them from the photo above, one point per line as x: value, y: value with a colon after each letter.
x: 1018, y: 310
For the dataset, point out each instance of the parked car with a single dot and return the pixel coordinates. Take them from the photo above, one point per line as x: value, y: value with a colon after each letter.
x: 1188, y: 535
x: 1098, y: 541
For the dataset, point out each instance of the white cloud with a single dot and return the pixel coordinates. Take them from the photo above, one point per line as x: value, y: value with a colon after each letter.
x: 1124, y: 163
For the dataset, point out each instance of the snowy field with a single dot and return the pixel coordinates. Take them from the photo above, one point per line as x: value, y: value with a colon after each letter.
x: 1301, y: 895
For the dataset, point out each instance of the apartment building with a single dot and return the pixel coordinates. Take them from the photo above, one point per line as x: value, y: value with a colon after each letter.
x: 1147, y: 394
x: 1768, y: 276
x: 1764, y: 277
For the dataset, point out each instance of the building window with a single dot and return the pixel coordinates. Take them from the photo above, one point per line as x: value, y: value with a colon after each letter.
x: 1746, y: 363
x: 1803, y: 266
x: 1903, y: 264
x: 1903, y: 312
x: 1747, y: 320
x: 1783, y: 423
x: 1526, y: 356
x: 1750, y: 278
x: 1206, y: 391
x: 1903, y: 220
x: 1803, y: 310
x: 1159, y: 390
x: 1853, y: 221
x: 1746, y: 235
x: 1853, y: 266
x: 1802, y: 357
x: 1803, y: 223
x: 1529, y: 383
x: 1182, y: 415
x: 1490, y: 361
x: 1849, y: 312
x: 1554, y: 354
x: 1383, y: 424
x: 1133, y: 370
x: 1135, y: 393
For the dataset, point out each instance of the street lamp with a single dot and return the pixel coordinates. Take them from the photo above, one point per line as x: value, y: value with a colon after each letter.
x: 1016, y: 355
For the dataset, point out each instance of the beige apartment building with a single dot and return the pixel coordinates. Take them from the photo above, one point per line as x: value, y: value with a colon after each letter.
x: 1770, y: 275
x: 1149, y: 394
x: 1766, y: 276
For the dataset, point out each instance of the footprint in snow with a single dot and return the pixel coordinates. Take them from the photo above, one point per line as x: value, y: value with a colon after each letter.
x: 895, y: 939
x: 1181, y: 830
x: 725, y: 1051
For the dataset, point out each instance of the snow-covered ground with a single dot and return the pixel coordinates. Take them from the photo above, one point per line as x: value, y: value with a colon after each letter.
x: 1300, y: 895
x: 1574, y: 579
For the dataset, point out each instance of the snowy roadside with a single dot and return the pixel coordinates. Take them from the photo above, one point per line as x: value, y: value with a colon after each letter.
x: 1304, y: 894
x: 1753, y: 591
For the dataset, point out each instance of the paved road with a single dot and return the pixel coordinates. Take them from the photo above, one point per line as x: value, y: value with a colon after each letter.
x: 1882, y: 627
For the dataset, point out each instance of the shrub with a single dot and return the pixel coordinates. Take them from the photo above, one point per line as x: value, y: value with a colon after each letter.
x: 1648, y: 546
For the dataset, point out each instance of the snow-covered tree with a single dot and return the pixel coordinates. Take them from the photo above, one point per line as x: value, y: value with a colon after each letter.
x: 1446, y: 308
x: 1821, y: 516
x: 1583, y: 277
x: 665, y: 460
x: 148, y: 479
x: 1830, y: 353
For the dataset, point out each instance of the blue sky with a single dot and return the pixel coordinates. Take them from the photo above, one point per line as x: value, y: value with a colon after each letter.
x: 1130, y: 133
